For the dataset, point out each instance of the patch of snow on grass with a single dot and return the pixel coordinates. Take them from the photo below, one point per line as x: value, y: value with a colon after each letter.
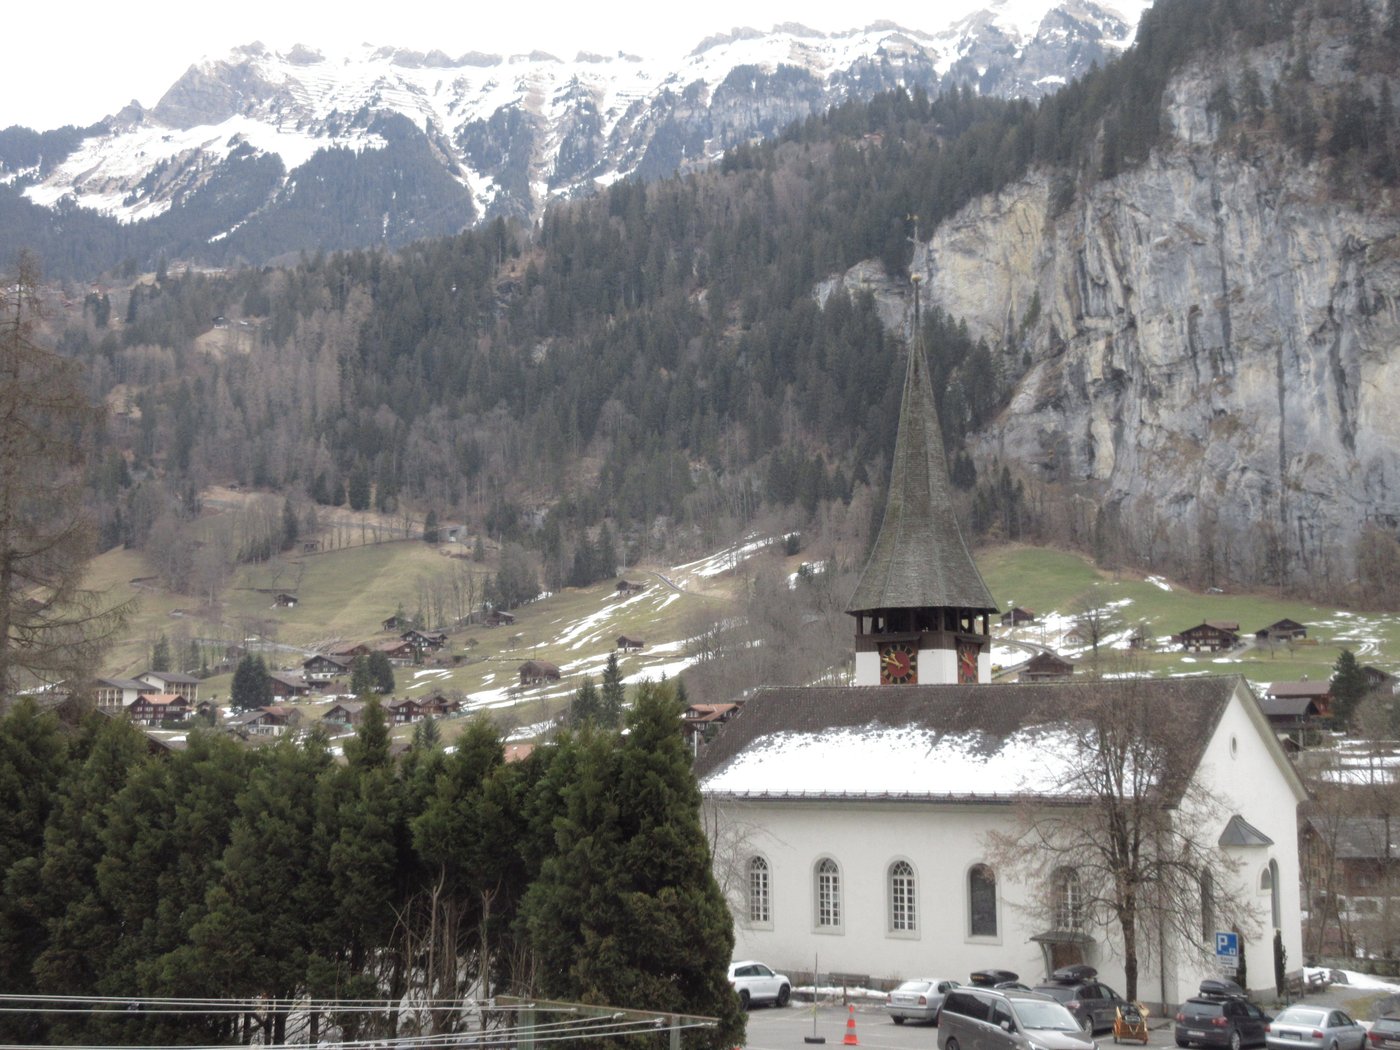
x: 1157, y: 581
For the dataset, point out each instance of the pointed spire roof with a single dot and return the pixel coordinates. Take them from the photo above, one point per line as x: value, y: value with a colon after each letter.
x: 919, y: 559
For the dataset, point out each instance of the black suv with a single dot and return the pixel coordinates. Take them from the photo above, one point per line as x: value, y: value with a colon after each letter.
x: 1221, y: 1016
x: 1094, y: 1005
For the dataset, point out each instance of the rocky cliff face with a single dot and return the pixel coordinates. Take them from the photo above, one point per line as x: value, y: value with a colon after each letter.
x: 1208, y: 347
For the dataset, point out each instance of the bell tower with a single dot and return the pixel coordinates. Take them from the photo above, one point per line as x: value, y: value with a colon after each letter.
x: 921, y: 607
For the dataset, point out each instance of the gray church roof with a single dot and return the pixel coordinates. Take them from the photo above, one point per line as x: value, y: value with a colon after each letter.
x: 919, y: 559
x: 992, y: 742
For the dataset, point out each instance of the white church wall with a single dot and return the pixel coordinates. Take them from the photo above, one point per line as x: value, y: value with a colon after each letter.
x: 1247, y: 779
x: 942, y: 841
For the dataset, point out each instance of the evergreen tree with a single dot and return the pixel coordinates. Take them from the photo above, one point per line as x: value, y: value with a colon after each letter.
x: 587, y: 707
x: 160, y: 654
x: 33, y: 762
x: 370, y: 747
x: 430, y: 527
x: 291, y: 525
x: 1348, y: 687
x: 628, y: 910
x: 381, y: 671
x: 251, y: 687
x: 358, y: 491
x: 81, y: 930
x: 361, y: 678
x: 614, y: 694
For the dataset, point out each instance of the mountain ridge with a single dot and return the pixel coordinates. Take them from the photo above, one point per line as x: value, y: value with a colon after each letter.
x: 511, y: 132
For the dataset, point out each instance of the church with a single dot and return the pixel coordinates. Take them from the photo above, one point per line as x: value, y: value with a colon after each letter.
x: 881, y: 829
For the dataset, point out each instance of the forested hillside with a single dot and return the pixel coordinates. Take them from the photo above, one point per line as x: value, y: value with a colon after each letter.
x: 674, y: 358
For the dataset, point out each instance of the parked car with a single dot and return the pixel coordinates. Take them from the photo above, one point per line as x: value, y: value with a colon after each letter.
x: 1221, y: 1016
x: 1006, y: 1019
x: 918, y: 999
x: 1095, y: 1005
x: 993, y: 978
x: 757, y: 983
x: 1315, y: 1028
x: 1385, y: 1034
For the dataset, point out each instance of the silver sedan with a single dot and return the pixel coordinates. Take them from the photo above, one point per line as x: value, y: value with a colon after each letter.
x: 918, y: 999
x: 1314, y: 1028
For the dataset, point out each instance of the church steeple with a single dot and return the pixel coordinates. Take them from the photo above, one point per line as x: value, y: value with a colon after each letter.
x: 921, y: 607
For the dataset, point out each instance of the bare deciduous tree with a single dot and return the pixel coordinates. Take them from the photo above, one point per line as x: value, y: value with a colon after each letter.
x: 1124, y: 849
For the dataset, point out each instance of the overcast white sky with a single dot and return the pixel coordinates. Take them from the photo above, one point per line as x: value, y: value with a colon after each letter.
x: 76, y: 62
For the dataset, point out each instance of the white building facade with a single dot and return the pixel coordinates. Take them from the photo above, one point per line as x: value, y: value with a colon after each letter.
x: 885, y: 864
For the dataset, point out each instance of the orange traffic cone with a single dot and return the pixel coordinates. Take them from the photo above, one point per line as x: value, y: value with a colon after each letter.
x: 851, y: 1039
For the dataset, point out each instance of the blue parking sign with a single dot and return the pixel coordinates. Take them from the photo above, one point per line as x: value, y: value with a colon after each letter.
x: 1227, y: 945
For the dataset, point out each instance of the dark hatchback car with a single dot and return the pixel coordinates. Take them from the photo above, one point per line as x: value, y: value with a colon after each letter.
x: 1094, y: 1005
x: 1221, y: 1017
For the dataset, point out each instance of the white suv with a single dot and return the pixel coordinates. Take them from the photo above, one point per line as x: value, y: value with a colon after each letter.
x: 756, y: 983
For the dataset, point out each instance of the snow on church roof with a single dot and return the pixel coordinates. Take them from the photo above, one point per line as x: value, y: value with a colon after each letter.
x: 955, y: 742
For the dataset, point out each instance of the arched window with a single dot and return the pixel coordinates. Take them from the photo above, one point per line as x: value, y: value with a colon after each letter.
x: 1275, y: 902
x: 981, y: 901
x: 1266, y: 881
x: 759, y: 887
x: 1069, y: 900
x: 903, y: 911
x: 1207, y: 907
x: 828, y: 894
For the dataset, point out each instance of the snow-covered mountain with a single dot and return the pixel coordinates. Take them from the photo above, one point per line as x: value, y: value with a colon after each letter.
x: 385, y: 145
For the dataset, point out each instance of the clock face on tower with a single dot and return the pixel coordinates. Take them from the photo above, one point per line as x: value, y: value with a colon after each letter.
x: 898, y: 664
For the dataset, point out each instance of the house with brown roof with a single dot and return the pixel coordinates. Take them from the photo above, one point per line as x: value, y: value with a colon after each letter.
x: 537, y: 672
x: 152, y: 709
x: 116, y: 694
x: 288, y: 686
x: 321, y: 668
x: 1210, y: 636
x: 498, y: 618
x: 439, y: 705
x: 344, y: 713
x: 1016, y: 616
x: 186, y: 685
x: 399, y: 652
x: 629, y: 644
x: 402, y: 711
x: 1046, y: 667
x: 1284, y: 630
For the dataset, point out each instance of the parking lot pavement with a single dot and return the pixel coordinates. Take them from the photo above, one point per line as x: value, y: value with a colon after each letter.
x: 789, y: 1028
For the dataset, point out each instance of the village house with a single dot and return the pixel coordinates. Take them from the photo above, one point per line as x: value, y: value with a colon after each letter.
x: 116, y: 694
x: 438, y: 705
x: 265, y: 721
x: 348, y: 652
x: 1016, y: 616
x: 536, y: 672
x: 320, y: 668
x: 344, y: 713
x: 1378, y: 680
x: 498, y: 618
x: 185, y: 685
x: 285, y: 601
x: 153, y: 709
x: 1352, y: 868
x: 629, y: 644
x: 1046, y: 667
x: 1210, y: 636
x: 699, y: 722
x: 402, y: 712
x: 425, y: 641
x: 857, y: 824
x: 399, y: 652
x: 627, y: 587
x: 1318, y: 694
x: 287, y: 686
x: 395, y: 623
x: 1284, y: 630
